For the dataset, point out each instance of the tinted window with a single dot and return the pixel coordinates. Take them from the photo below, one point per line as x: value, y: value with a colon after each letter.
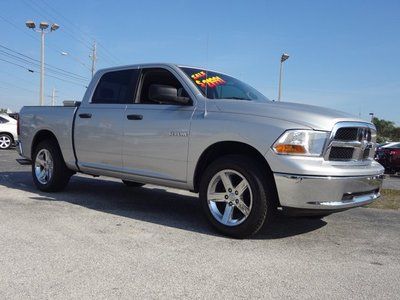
x: 2, y: 120
x: 116, y: 87
x: 158, y: 76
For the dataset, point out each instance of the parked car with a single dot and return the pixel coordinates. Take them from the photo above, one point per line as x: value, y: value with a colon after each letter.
x: 389, y: 157
x: 206, y: 132
x: 8, y: 131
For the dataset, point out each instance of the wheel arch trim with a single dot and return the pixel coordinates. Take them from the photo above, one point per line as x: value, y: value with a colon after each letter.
x: 221, y: 148
x: 42, y: 135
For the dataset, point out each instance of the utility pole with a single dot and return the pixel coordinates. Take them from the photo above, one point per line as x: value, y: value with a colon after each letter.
x: 41, y: 90
x: 93, y: 56
x: 283, y: 58
x: 53, y: 97
x: 43, y: 30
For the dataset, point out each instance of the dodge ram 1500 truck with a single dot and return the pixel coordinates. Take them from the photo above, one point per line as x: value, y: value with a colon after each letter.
x: 207, y: 132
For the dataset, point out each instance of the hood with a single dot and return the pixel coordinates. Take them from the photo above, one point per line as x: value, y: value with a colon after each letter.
x: 315, y: 117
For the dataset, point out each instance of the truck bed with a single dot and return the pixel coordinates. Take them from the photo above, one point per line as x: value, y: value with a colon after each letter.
x: 56, y: 119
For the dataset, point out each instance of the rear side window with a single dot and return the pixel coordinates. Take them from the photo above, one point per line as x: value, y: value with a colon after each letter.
x: 116, y: 87
x: 2, y: 120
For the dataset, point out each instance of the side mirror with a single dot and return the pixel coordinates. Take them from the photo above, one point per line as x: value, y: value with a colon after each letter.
x: 166, y: 93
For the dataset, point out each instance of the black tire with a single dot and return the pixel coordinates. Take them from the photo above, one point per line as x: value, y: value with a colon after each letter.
x: 263, y: 205
x: 132, y: 183
x: 8, y: 136
x: 60, y: 175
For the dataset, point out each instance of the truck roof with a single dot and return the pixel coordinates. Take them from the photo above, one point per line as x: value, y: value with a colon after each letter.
x: 147, y: 65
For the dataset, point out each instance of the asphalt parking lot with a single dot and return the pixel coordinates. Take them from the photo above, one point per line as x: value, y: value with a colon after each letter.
x: 392, y: 182
x: 100, y: 239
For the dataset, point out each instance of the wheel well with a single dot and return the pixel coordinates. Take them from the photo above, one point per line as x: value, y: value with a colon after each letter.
x: 220, y: 149
x: 9, y: 134
x: 41, y: 136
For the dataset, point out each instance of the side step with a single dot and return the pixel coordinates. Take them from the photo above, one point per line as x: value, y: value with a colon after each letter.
x: 24, y: 161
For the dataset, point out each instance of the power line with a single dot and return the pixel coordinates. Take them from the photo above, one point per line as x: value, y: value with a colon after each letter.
x: 17, y: 76
x: 35, y: 71
x: 37, y: 39
x: 109, y: 53
x: 20, y: 87
x: 19, y: 59
x: 48, y: 65
x: 111, y: 56
x: 44, y: 13
x: 18, y: 28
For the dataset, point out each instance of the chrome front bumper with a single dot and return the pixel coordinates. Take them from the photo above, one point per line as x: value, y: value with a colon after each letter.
x: 327, y: 192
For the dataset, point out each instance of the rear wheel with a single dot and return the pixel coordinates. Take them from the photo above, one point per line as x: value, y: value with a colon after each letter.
x: 50, y: 174
x: 132, y: 183
x: 5, y: 141
x: 236, y: 196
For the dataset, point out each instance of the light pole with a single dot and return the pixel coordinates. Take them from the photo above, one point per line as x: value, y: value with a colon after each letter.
x: 43, y: 29
x: 372, y: 116
x: 284, y: 57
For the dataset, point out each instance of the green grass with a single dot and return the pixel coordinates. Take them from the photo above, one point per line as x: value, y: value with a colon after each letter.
x: 390, y: 199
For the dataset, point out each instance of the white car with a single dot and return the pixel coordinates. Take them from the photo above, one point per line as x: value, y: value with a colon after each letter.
x: 8, y: 131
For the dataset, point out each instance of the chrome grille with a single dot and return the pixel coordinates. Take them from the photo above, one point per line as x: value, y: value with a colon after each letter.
x: 341, y: 153
x: 346, y: 134
x: 351, y: 141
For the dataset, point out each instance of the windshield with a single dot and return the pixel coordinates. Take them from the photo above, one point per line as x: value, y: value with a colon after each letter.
x: 220, y: 86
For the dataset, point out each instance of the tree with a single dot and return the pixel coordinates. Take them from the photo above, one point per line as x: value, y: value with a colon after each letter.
x: 386, y: 130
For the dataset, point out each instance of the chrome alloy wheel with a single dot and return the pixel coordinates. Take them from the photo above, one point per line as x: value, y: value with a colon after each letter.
x: 44, y: 166
x: 5, y: 141
x: 229, y: 197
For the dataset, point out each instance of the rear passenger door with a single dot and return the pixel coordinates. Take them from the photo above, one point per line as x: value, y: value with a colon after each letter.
x: 99, y: 123
x: 156, y: 134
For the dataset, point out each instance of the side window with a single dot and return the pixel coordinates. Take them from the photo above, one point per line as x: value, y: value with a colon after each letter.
x: 116, y: 87
x: 161, y: 77
x: 2, y: 120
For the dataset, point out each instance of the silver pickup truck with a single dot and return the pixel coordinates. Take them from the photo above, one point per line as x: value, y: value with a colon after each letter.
x: 207, y: 132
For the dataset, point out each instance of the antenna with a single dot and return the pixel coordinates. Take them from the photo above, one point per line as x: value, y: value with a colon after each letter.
x: 206, y: 92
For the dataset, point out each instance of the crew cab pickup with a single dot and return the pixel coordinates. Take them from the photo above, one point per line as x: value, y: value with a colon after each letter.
x: 207, y: 132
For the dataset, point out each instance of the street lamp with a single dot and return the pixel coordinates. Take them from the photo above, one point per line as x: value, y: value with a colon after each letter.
x: 43, y: 29
x: 372, y: 116
x: 284, y: 57
x: 93, y: 58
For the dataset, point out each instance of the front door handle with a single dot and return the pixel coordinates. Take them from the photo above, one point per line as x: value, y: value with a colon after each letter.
x: 134, y: 117
x: 85, y: 116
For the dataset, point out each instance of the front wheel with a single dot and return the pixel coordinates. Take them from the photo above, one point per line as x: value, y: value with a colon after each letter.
x: 236, y: 196
x: 50, y: 174
x: 5, y: 141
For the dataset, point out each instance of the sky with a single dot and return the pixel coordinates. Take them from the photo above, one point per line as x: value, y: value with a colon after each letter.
x: 343, y: 54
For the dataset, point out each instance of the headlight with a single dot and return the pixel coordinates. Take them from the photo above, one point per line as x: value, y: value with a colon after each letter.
x: 301, y: 142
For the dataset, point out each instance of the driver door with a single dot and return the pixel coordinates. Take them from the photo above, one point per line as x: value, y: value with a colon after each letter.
x: 156, y: 134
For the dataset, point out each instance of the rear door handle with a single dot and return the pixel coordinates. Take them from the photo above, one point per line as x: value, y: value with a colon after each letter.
x: 134, y: 117
x: 85, y: 116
